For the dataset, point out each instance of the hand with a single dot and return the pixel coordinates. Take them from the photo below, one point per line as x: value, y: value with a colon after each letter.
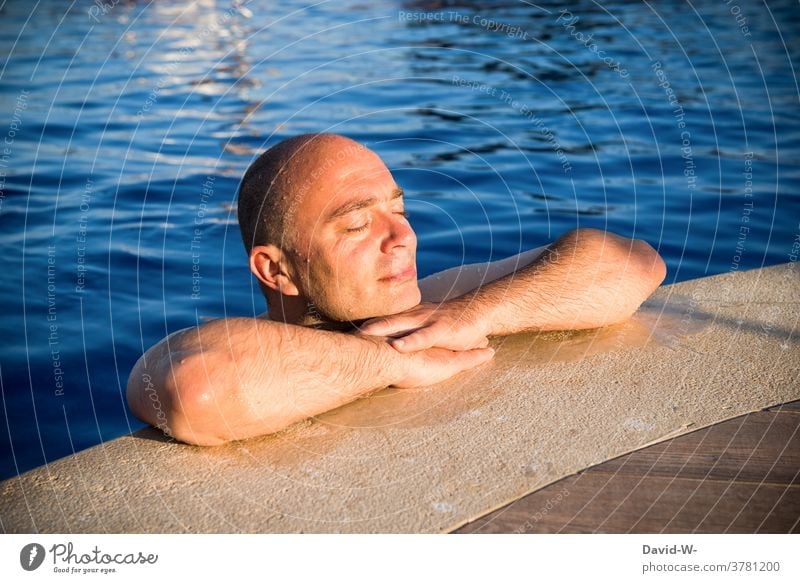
x: 454, y: 325
x: 431, y: 366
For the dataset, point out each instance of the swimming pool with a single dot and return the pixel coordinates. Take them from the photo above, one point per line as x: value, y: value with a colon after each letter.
x: 128, y: 125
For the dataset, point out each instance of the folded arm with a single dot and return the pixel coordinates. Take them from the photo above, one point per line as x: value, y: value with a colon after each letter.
x: 235, y: 378
x: 586, y: 279
x: 457, y: 281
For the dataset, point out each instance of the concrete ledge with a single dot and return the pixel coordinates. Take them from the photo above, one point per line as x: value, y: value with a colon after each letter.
x: 697, y: 353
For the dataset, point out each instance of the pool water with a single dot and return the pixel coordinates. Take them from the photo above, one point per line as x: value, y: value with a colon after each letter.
x: 127, y: 126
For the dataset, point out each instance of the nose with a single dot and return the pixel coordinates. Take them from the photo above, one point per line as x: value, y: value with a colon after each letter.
x: 397, y: 233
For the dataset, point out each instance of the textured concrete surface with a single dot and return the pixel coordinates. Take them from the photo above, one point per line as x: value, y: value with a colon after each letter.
x: 429, y: 460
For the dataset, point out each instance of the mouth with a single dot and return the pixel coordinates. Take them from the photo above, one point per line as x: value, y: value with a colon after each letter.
x: 401, y: 275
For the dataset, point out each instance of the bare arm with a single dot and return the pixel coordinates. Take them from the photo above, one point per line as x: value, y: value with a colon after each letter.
x: 242, y: 377
x: 457, y: 281
x: 586, y: 279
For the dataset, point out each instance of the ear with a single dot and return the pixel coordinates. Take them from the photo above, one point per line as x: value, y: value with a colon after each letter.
x: 270, y: 265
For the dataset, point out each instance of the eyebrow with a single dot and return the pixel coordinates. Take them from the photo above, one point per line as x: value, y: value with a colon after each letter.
x: 355, y: 205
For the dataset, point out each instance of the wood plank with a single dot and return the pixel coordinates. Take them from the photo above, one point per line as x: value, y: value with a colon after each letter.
x: 793, y: 406
x: 759, y: 447
x: 742, y: 475
x: 623, y: 504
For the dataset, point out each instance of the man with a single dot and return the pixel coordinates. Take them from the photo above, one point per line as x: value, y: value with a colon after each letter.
x: 326, y: 233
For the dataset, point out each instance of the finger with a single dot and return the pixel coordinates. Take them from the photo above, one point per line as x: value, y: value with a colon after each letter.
x: 390, y: 326
x: 419, y: 339
x: 403, y: 321
x: 390, y: 332
x: 375, y: 326
x: 437, y: 334
x: 472, y: 358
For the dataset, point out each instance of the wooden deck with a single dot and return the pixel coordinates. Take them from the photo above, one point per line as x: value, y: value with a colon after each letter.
x: 739, y: 476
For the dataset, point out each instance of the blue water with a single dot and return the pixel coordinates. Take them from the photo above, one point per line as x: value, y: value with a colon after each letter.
x: 127, y: 126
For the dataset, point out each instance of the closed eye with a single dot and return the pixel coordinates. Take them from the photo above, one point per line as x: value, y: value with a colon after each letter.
x: 357, y: 229
x: 405, y: 214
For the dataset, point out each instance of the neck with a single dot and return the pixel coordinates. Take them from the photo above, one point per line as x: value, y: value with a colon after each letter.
x: 300, y: 312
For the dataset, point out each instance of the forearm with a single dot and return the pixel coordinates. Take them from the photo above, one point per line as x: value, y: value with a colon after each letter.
x: 291, y: 373
x: 586, y: 279
x: 459, y: 280
x: 239, y: 377
x: 242, y: 377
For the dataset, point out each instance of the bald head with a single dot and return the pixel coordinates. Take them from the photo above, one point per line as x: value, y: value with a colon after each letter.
x: 324, y: 224
x: 274, y: 185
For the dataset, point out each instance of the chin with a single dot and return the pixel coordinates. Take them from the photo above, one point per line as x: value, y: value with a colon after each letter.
x: 405, y: 301
x: 399, y: 302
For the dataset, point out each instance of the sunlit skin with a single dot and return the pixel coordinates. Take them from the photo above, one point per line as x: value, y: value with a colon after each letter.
x: 351, y: 252
x: 346, y: 261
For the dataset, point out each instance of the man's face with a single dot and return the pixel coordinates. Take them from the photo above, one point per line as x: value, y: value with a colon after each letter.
x: 354, y: 252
